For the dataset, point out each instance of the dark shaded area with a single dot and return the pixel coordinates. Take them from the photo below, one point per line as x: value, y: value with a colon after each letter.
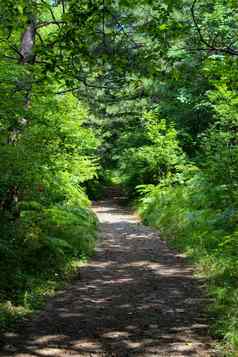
x: 135, y: 298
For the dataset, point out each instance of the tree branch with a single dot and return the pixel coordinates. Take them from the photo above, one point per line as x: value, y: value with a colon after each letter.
x: 211, y: 47
x: 47, y: 23
x: 63, y: 6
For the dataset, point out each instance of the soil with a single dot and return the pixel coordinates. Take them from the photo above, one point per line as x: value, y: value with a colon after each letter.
x: 136, y: 297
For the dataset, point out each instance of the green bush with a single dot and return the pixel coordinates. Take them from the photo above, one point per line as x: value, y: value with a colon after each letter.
x: 152, y: 162
x: 45, y: 217
x: 194, y: 219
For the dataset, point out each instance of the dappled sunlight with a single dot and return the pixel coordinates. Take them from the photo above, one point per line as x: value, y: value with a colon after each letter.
x: 134, y: 297
x: 143, y: 263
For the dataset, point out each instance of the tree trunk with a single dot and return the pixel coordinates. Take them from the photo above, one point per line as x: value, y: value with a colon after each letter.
x: 27, y: 45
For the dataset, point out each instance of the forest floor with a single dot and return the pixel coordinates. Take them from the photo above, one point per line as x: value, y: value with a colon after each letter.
x: 135, y: 297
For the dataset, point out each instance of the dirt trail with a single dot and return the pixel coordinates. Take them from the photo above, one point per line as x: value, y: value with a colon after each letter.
x: 136, y: 297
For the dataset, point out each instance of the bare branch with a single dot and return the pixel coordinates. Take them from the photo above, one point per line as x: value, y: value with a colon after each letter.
x: 196, y: 24
x: 70, y: 90
x: 15, y: 49
x: 47, y: 23
x: 63, y: 6
x: 40, y: 38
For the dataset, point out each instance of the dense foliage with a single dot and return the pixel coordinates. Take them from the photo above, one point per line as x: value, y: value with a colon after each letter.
x: 47, y: 153
x: 143, y: 93
x: 45, y: 220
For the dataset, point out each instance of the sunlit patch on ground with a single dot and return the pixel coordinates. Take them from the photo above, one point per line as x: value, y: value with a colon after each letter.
x: 134, y: 298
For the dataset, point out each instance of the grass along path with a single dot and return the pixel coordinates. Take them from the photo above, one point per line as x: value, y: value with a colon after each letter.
x: 136, y: 297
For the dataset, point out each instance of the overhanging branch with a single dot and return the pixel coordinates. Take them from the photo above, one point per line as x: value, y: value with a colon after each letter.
x: 210, y: 46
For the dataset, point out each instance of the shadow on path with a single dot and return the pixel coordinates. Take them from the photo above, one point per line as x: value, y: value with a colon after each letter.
x: 135, y: 298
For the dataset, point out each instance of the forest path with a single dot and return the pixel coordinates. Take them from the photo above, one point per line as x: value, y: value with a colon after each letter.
x: 135, y: 297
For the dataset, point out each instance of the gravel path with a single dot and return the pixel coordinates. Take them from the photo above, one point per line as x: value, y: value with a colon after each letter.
x: 136, y: 297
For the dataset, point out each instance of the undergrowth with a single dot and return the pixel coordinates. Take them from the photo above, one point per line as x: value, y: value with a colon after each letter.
x: 43, y: 258
x: 39, y: 289
x: 47, y: 226
x: 200, y: 226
